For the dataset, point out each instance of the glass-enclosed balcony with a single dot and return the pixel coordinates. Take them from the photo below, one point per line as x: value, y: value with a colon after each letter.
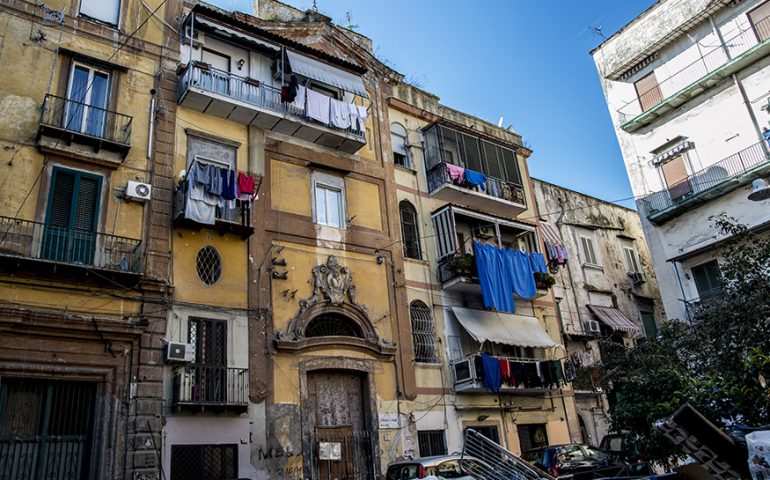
x: 467, y: 170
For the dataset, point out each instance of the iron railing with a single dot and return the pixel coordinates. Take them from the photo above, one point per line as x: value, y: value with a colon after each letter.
x: 356, y: 455
x: 706, y: 64
x: 494, y: 188
x: 246, y: 90
x: 695, y: 308
x: 484, y: 459
x: 39, y: 241
x: 458, y: 265
x: 204, y: 385
x: 708, y: 178
x: 81, y: 118
x: 54, y: 457
x: 468, y: 371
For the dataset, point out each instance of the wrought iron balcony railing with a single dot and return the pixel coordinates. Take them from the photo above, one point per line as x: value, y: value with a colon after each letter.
x: 706, y: 64
x: 39, y: 241
x: 246, y: 90
x: 88, y: 121
x: 200, y: 385
x: 494, y: 187
x: 721, y: 174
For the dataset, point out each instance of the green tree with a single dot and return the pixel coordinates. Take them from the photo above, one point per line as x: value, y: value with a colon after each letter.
x: 717, y: 360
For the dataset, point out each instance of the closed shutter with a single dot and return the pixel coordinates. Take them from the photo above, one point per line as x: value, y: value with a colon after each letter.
x: 760, y: 20
x: 588, y: 250
x: 443, y: 222
x: 648, y: 91
x: 85, y: 207
x: 675, y: 174
x: 708, y: 279
x: 63, y: 188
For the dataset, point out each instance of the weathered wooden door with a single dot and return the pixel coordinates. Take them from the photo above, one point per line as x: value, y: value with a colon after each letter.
x: 336, y: 415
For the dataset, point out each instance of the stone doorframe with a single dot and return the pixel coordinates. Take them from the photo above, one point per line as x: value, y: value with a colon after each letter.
x: 339, y: 364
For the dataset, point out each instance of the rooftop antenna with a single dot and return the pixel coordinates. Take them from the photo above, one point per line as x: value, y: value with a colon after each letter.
x: 597, y: 29
x: 315, y: 6
x: 500, y: 123
x: 349, y: 21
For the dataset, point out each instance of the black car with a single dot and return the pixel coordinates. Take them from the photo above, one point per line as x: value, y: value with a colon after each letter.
x: 622, y: 447
x: 579, y: 461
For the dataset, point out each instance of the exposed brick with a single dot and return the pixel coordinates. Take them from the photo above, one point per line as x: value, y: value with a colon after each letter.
x: 147, y: 424
x: 149, y: 406
x: 150, y: 374
x: 150, y: 356
x: 150, y: 389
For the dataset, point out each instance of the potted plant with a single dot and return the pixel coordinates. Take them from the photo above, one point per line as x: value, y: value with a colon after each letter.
x: 461, y: 264
x: 544, y: 281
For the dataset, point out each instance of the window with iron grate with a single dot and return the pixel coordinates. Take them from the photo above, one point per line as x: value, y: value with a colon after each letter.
x: 332, y: 326
x: 208, y: 264
x: 432, y: 442
x: 204, y: 461
x: 422, y: 332
x: 409, y: 230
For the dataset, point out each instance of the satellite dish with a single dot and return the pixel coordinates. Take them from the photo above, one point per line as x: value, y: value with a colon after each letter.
x: 760, y: 190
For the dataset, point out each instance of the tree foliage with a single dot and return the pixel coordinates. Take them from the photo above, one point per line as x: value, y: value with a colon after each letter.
x: 717, y: 360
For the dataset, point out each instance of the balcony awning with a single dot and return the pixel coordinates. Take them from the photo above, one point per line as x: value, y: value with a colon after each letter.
x: 326, y: 73
x: 615, y: 319
x: 504, y: 328
x: 550, y: 233
x: 234, y: 34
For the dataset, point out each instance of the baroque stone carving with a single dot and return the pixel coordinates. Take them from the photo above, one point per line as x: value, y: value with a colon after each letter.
x: 332, y: 281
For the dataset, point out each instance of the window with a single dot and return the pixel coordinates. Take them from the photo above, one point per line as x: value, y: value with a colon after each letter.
x: 107, y: 11
x: 422, y: 332
x: 632, y: 259
x: 329, y: 195
x: 409, y: 230
x: 648, y: 91
x: 399, y: 139
x: 532, y: 436
x: 87, y: 100
x: 649, y: 324
x: 71, y: 217
x: 708, y: 280
x: 676, y: 177
x: 208, y: 264
x: 208, y: 371
x: 760, y: 21
x: 432, y: 442
x: 589, y: 251
x: 204, y: 461
x: 332, y: 325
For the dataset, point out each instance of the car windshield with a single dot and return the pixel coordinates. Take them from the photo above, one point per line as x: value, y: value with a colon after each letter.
x: 403, y: 472
x: 596, y: 454
x: 569, y: 453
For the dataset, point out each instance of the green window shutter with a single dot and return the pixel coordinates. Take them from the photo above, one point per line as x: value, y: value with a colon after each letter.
x: 62, y: 192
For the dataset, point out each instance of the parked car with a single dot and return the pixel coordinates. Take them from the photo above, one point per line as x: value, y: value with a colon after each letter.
x: 582, y: 462
x: 441, y: 466
x: 622, y: 447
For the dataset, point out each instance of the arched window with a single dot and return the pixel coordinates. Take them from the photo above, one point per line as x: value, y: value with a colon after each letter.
x: 422, y: 332
x: 399, y: 141
x: 409, y: 232
x: 331, y: 325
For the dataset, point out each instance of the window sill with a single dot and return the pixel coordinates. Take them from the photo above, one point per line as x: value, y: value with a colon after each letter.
x: 593, y: 266
x: 427, y: 364
x: 406, y: 169
x: 417, y: 261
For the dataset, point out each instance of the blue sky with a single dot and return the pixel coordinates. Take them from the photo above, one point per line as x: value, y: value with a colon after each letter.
x: 525, y: 60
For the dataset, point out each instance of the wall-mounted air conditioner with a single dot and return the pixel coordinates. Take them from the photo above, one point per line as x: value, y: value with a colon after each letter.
x: 138, y: 191
x: 179, y: 352
x: 637, y: 278
x: 591, y: 326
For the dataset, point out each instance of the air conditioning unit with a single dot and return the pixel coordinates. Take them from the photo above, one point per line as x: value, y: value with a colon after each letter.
x: 138, y: 191
x: 179, y: 352
x: 637, y: 278
x: 591, y: 326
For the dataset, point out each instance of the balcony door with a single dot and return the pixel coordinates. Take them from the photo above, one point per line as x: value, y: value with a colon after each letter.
x: 760, y: 21
x: 87, y: 98
x: 648, y: 91
x: 708, y: 280
x: 220, y: 74
x: 676, y: 177
x: 71, y: 218
x: 209, y: 367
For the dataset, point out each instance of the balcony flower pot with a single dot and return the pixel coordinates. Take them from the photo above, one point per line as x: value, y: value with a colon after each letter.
x: 544, y: 281
x: 461, y: 264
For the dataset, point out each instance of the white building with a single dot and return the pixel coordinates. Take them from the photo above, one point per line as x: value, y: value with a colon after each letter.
x: 687, y: 85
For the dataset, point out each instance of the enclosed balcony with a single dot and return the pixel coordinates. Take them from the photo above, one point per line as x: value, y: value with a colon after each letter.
x: 200, y: 387
x: 252, y: 102
x: 35, y: 248
x: 658, y: 95
x: 713, y: 181
x: 522, y: 376
x: 84, y: 131
x: 467, y: 170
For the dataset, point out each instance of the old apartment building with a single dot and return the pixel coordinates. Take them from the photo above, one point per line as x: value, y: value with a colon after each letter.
x: 686, y: 84
x: 605, y: 288
x: 83, y: 244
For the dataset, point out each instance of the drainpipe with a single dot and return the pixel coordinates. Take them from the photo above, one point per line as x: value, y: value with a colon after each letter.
x: 720, y: 37
x: 681, y: 288
x: 753, y: 117
x: 569, y: 270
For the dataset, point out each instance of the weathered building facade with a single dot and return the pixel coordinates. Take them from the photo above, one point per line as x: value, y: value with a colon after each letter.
x: 442, y: 215
x: 83, y: 238
x: 606, y: 288
x: 686, y: 85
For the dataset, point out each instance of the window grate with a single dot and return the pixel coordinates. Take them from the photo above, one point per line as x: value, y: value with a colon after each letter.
x: 208, y: 264
x: 422, y: 332
x: 432, y: 442
x: 204, y: 461
x: 332, y: 325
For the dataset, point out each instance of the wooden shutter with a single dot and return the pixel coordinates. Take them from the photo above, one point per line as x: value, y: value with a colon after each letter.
x: 443, y: 222
x: 60, y: 201
x: 675, y: 174
x: 648, y: 91
x: 760, y: 21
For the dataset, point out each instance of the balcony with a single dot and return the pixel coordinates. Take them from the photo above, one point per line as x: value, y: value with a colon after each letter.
x: 468, y: 376
x: 715, y: 180
x: 707, y: 300
x: 235, y: 220
x: 199, y: 387
x: 34, y: 248
x: 251, y: 102
x: 707, y: 71
x: 458, y: 273
x: 496, y: 197
x: 84, y: 131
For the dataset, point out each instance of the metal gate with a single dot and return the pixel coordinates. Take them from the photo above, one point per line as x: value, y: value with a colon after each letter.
x: 348, y: 455
x: 486, y: 460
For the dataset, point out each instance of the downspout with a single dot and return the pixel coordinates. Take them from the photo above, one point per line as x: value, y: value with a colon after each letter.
x: 569, y: 270
x: 681, y: 288
x: 753, y: 117
x: 720, y: 37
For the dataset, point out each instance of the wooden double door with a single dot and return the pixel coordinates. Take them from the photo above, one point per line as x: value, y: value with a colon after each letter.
x: 338, y: 420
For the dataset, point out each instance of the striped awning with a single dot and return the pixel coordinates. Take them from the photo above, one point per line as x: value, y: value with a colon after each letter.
x: 615, y: 319
x: 550, y: 233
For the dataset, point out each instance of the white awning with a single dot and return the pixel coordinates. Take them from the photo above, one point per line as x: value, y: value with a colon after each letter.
x: 551, y: 233
x: 505, y: 328
x: 326, y: 74
x: 234, y: 34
